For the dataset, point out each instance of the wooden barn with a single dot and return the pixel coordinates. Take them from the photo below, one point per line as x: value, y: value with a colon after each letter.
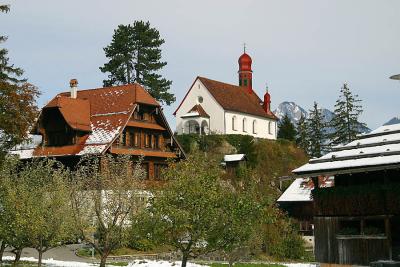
x: 297, y: 202
x: 120, y: 120
x: 357, y: 221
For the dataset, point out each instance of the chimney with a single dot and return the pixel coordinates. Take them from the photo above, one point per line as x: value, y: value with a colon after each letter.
x: 73, y: 83
x: 267, y: 102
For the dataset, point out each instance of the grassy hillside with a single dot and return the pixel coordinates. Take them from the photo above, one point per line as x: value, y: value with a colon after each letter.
x: 269, y: 159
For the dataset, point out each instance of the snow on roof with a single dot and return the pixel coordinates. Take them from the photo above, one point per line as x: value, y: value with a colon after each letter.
x: 384, y: 129
x: 379, y: 147
x: 191, y: 114
x: 26, y: 148
x: 234, y: 157
x: 299, y: 190
x: 23, y: 153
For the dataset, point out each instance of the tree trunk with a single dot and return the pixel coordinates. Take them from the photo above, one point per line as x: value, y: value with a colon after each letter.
x: 185, y: 257
x: 2, y: 248
x: 40, y: 258
x: 18, y: 253
x: 103, y: 259
x: 231, y: 261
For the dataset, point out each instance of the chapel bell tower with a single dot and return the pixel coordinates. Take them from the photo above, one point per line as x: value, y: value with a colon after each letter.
x: 245, y: 72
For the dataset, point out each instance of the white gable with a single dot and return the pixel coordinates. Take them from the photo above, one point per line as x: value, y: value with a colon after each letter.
x: 198, y: 94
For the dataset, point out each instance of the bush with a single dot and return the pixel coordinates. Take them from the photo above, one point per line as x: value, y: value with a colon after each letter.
x: 142, y: 245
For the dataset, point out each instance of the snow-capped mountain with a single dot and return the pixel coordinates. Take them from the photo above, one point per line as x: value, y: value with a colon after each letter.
x: 393, y: 120
x: 294, y: 113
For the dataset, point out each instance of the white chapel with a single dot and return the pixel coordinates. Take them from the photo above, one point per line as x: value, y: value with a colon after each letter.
x: 215, y: 107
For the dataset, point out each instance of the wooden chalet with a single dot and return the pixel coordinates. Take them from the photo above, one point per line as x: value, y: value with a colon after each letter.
x: 357, y: 221
x: 120, y: 120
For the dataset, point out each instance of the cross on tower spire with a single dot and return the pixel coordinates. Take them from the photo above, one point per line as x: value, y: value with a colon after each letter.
x: 244, y: 47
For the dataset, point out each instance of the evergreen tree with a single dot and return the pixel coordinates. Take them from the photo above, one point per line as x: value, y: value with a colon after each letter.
x: 316, y: 132
x: 135, y: 56
x: 345, y: 121
x: 17, y: 101
x: 286, y: 129
x: 302, y: 137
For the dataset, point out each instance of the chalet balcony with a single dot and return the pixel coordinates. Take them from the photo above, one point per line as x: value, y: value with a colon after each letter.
x: 361, y: 200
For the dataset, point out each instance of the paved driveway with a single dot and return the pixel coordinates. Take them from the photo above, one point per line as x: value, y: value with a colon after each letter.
x: 65, y: 253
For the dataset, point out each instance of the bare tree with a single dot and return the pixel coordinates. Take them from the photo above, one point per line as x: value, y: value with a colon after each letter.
x: 105, y: 194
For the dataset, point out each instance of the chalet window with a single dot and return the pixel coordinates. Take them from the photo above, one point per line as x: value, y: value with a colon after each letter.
x: 148, y: 141
x: 123, y: 138
x: 234, y: 123
x: 305, y: 226
x: 366, y: 226
x: 137, y: 115
x: 254, y: 126
x: 136, y: 141
x: 374, y: 227
x: 157, y: 141
x: 350, y: 227
x: 245, y: 82
x: 158, y: 167
x: 131, y: 138
x: 244, y: 125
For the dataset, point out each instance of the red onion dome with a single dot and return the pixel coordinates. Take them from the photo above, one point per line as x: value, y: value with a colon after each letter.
x: 245, y: 62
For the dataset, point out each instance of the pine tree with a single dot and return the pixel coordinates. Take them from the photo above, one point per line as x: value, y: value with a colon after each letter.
x: 286, y: 129
x: 316, y: 132
x: 17, y: 101
x: 302, y: 138
x: 345, y: 121
x: 135, y: 56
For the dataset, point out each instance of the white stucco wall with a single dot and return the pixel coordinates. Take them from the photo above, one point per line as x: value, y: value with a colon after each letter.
x: 210, y: 105
x: 262, y: 125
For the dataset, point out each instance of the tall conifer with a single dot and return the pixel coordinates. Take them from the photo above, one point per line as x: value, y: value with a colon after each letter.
x: 302, y: 138
x: 345, y: 122
x: 286, y: 129
x: 316, y: 132
x: 134, y: 55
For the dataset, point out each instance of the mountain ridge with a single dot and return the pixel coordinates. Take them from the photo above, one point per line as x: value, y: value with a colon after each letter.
x: 295, y: 111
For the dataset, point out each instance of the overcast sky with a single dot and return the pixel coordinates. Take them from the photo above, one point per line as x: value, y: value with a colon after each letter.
x: 304, y: 50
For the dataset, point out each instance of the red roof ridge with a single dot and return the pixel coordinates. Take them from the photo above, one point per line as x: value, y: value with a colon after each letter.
x: 252, y: 107
x: 107, y: 87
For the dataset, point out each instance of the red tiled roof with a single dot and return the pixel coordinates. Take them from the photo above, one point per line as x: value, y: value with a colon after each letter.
x: 235, y: 98
x: 76, y: 112
x: 103, y: 111
x: 199, y: 109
